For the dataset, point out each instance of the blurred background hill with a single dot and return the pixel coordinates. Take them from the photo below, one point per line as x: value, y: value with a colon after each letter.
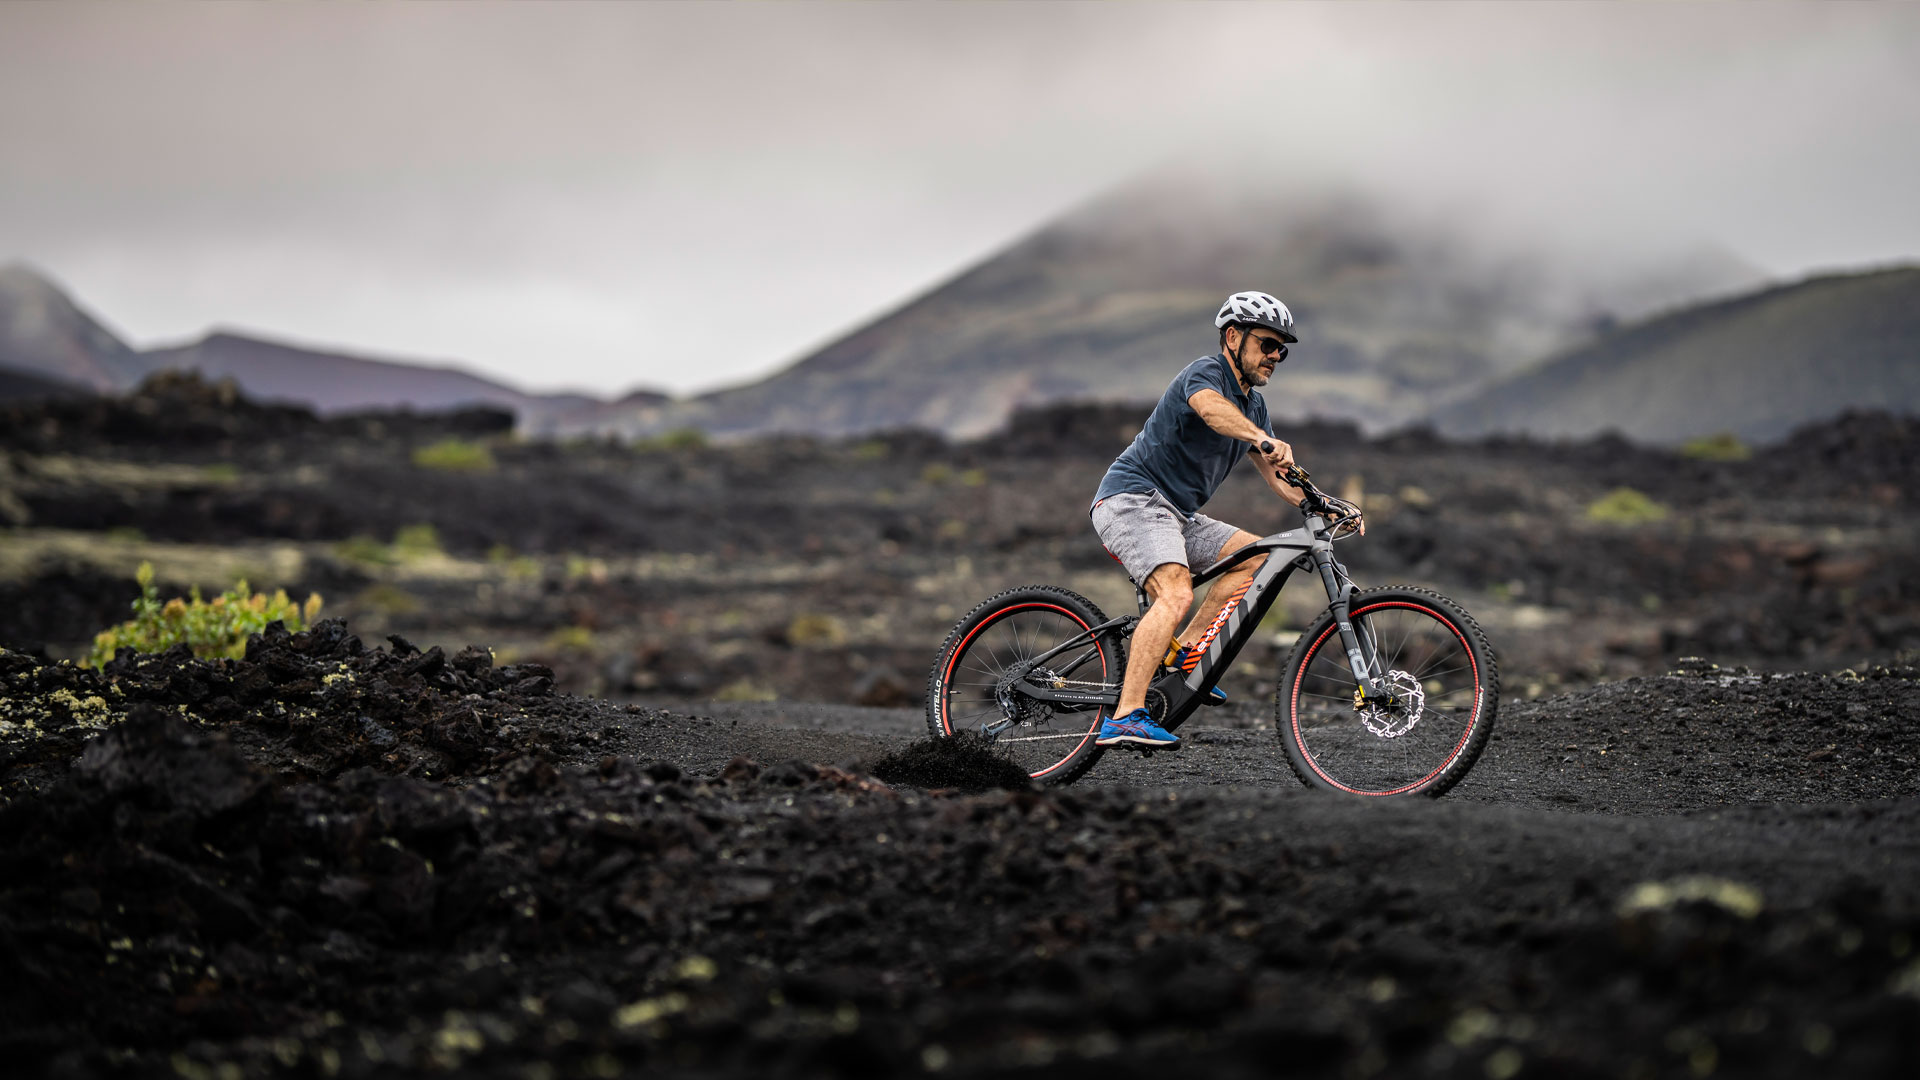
x: 48, y: 338
x: 1398, y: 312
x: 1757, y: 366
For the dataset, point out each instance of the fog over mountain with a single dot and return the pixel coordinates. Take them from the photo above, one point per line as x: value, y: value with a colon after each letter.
x: 577, y: 195
x: 1401, y: 310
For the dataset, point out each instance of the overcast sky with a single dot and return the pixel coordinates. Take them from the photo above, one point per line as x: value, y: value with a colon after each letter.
x: 606, y: 196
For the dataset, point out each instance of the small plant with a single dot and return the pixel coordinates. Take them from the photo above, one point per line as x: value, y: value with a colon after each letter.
x: 454, y: 455
x: 816, y: 630
x: 937, y: 474
x: 1625, y: 506
x: 221, y: 472
x: 219, y: 627
x: 670, y: 441
x: 573, y: 639
x: 582, y: 568
x: 365, y: 550
x: 1726, y: 446
x: 417, y: 542
x: 745, y: 690
x: 387, y: 599
x: 973, y: 478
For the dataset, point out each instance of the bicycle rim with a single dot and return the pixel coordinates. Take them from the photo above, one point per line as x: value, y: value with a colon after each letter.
x: 1388, y: 751
x: 1042, y: 739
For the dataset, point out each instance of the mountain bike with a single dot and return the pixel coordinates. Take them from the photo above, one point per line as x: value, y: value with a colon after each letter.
x: 1391, y: 691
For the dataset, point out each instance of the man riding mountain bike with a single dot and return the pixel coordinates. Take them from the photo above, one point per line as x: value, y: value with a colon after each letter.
x: 1147, y: 510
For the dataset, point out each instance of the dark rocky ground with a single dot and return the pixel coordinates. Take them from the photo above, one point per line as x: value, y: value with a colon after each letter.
x: 830, y: 571
x: 333, y: 860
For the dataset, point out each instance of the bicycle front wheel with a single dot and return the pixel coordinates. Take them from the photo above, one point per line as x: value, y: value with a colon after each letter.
x: 970, y: 687
x: 1421, y: 741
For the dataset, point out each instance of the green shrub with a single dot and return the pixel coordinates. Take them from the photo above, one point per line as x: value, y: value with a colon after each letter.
x: 454, y: 455
x: 573, y: 639
x: 973, y: 478
x: 937, y: 473
x: 219, y: 627
x: 745, y: 690
x: 417, y: 542
x: 364, y: 549
x: 387, y: 600
x: 1625, y: 506
x: 816, y: 630
x: 677, y: 439
x: 1726, y: 446
x: 221, y: 472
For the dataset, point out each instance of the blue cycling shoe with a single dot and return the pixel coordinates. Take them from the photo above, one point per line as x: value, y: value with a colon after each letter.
x: 1185, y: 659
x: 1136, y: 729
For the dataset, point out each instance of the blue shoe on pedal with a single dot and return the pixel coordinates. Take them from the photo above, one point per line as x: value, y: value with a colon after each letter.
x: 1136, y: 729
x: 1186, y: 659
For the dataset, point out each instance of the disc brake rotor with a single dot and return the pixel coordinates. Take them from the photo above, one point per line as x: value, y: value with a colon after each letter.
x: 1395, y: 716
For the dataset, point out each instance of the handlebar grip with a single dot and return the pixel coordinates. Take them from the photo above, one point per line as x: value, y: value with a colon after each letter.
x: 1294, y: 474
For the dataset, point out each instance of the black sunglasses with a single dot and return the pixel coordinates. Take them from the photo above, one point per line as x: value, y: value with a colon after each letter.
x: 1270, y: 346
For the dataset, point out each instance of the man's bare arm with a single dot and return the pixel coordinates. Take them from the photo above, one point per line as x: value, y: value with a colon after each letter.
x: 1293, y: 495
x: 1221, y: 416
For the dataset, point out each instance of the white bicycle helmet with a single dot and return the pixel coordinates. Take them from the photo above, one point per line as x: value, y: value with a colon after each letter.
x: 1257, y: 309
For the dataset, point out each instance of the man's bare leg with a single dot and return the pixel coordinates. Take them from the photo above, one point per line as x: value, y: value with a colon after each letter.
x: 1170, y: 588
x: 1223, y: 587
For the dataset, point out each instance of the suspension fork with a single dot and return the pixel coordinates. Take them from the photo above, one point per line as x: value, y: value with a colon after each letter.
x: 1361, y: 654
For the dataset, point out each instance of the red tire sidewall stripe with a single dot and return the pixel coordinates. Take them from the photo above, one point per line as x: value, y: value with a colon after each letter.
x: 1293, y: 719
x: 946, y: 677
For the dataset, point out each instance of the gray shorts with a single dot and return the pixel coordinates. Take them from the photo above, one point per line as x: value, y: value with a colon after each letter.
x: 1144, y: 530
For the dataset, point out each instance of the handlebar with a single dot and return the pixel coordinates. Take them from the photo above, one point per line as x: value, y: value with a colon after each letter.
x: 1319, y: 502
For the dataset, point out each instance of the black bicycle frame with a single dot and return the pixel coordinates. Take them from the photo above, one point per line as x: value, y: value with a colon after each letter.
x: 1295, y: 549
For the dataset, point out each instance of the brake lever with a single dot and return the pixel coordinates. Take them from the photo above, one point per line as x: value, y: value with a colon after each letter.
x: 1294, y: 473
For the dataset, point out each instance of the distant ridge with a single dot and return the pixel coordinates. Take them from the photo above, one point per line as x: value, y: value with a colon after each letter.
x: 332, y: 382
x: 1757, y: 365
x: 1398, y: 313
x: 45, y: 335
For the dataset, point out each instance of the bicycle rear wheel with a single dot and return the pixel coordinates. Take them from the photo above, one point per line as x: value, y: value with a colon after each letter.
x: 1447, y: 691
x: 969, y: 688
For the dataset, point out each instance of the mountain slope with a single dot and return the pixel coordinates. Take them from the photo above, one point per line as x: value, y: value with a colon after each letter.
x: 44, y: 333
x: 1758, y: 366
x: 332, y: 382
x: 1397, y: 313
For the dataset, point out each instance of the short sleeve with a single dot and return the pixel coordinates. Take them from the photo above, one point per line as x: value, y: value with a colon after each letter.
x: 1204, y: 375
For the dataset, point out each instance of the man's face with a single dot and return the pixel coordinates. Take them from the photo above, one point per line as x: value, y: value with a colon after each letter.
x: 1256, y: 363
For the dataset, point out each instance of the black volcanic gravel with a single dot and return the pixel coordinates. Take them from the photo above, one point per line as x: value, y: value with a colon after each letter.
x: 966, y: 762
x: 329, y: 860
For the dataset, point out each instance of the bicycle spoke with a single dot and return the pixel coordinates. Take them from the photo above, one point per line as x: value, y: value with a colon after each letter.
x: 1385, y: 747
x: 1042, y: 736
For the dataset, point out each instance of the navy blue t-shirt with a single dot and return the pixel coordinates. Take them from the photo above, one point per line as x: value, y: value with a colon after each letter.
x: 1176, y: 453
